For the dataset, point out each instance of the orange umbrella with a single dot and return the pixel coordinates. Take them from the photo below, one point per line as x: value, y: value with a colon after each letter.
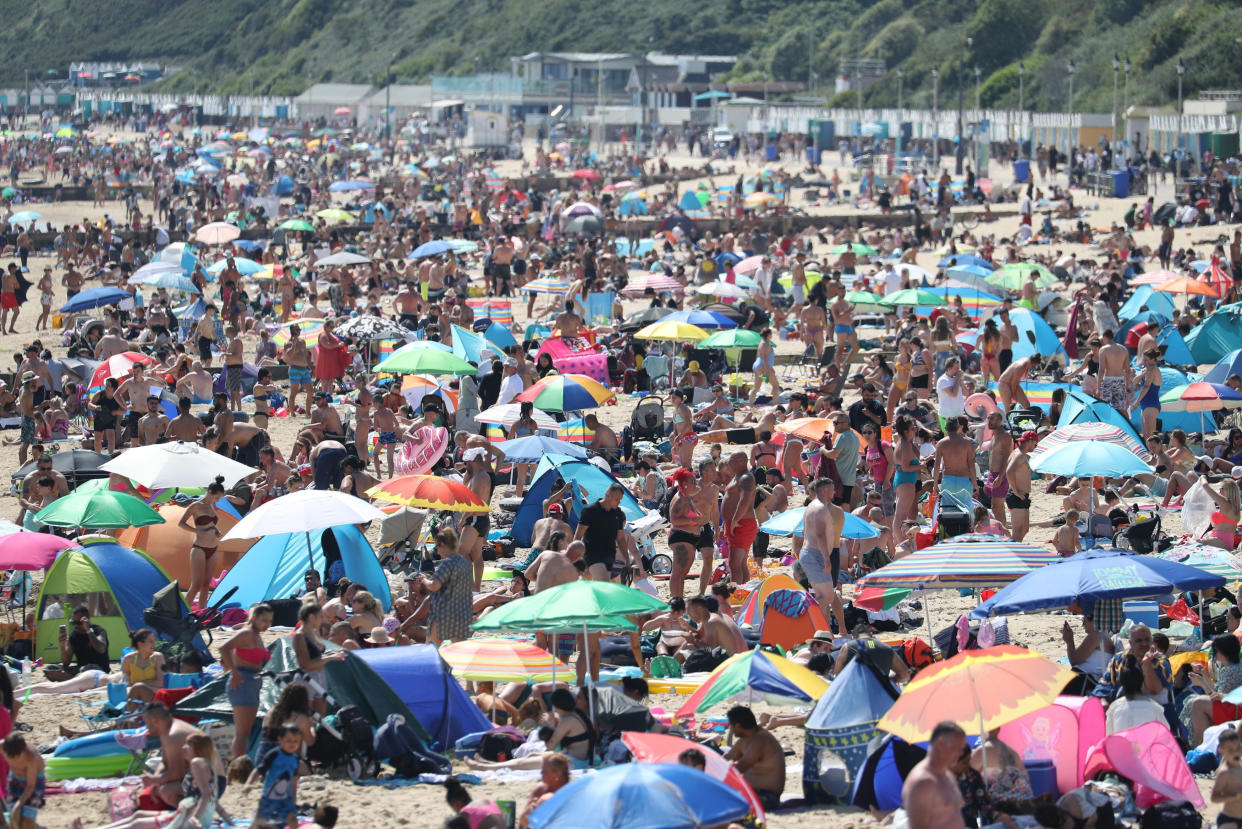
x: 979, y: 690
x: 1154, y: 278
x: 807, y: 428
x: 429, y: 492
x: 1186, y: 285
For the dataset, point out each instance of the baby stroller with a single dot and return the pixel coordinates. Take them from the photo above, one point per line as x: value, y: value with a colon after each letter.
x: 1020, y: 420
x: 647, y: 422
x: 1142, y: 535
x: 344, y: 740
x: 164, y: 616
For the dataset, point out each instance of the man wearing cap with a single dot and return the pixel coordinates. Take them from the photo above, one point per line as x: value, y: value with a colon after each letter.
x: 480, y: 479
x: 1018, y: 473
x: 553, y: 522
x: 955, y: 467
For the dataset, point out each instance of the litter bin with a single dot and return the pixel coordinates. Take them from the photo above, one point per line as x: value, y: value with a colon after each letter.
x: 772, y: 152
x: 1121, y: 183
x: 812, y: 156
x: 1022, y: 171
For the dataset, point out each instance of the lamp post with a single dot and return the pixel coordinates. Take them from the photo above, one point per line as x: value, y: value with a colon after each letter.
x: 1071, y: 68
x: 978, y: 75
x: 900, y: 75
x: 1116, y: 69
x: 1125, y: 101
x: 388, y: 98
x: 1021, y: 99
x: 936, y: 114
x: 1181, y: 72
x: 959, y: 153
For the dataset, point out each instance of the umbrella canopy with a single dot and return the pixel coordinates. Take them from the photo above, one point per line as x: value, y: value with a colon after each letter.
x: 1154, y: 278
x: 585, y: 224
x: 95, y: 298
x: 723, y: 290
x: 501, y: 660
x: 1210, y: 559
x: 913, y: 296
x: 966, y: 260
x: 217, y: 233
x: 1200, y: 397
x: 336, y: 214
x: 1088, y: 458
x: 1013, y: 276
x: 703, y: 319
x: 666, y: 330
x: 107, y: 509
x: 789, y: 522
x: 655, y: 281
x: 343, y: 257
x: 302, y: 512
x: 23, y: 216
x: 424, y: 361
x: 566, y: 393
x: 168, y: 281
x: 1186, y: 285
x: 964, y: 562
x: 589, y: 175
x: 640, y: 796
x: 369, y: 328
x: 1092, y: 575
x: 179, y: 464
x: 1091, y: 430
x: 436, y: 247
x: 1231, y: 363
x: 807, y: 428
x: 531, y: 448
x: 154, y: 269
x: 866, y: 301
x: 857, y: 247
x: 297, y: 224
x: 978, y: 689
x: 753, y: 676
x: 30, y: 551
x: 414, y: 387
x: 570, y: 606
x: 506, y: 414
x: 547, y: 285
x: 429, y: 492
x: 732, y: 338
x: 118, y: 366
x: 665, y: 748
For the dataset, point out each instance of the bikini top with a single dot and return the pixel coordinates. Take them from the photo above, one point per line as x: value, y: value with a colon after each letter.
x: 205, y: 520
x: 255, y: 656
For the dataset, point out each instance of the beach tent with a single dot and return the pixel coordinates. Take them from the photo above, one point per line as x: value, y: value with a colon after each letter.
x: 1146, y: 298
x: 689, y: 201
x: 114, y: 582
x: 1035, y: 335
x: 1062, y: 732
x: 1081, y: 407
x: 889, y: 761
x: 275, y: 567
x: 424, y: 683
x: 1215, y: 337
x: 1231, y: 363
x: 752, y: 609
x: 586, y: 475
x: 283, y: 186
x: 839, y: 730
x: 1150, y: 757
x: 167, y: 544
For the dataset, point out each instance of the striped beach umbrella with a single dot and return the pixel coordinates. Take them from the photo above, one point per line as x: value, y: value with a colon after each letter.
x: 1216, y: 561
x: 118, y: 366
x: 1200, y: 397
x: 966, y: 561
x: 547, y: 285
x: 655, y: 281
x: 506, y: 414
x: 566, y: 393
x: 756, y: 676
x: 1090, y: 430
x: 309, y: 329
x: 414, y: 387
x: 501, y: 660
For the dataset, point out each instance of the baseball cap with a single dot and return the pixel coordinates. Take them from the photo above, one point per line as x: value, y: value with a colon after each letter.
x: 1029, y: 434
x: 555, y: 508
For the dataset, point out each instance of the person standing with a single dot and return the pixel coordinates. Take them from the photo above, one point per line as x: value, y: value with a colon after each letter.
x: 243, y: 657
x: 996, y: 485
x: 741, y: 525
x: 450, y: 587
x: 602, y: 528
x: 234, y: 360
x: 1018, y: 474
x: 482, y: 481
x: 820, y: 557
x: 331, y: 357
x: 297, y: 357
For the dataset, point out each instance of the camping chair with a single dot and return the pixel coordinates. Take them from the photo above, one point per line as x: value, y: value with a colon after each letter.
x: 111, y: 712
x: 657, y: 368
x: 165, y: 618
x: 15, y: 592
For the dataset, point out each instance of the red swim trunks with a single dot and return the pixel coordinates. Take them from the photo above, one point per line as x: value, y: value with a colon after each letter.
x: 742, y: 534
x: 8, y: 300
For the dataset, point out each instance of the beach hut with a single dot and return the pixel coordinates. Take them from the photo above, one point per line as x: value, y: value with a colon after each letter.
x: 840, y: 730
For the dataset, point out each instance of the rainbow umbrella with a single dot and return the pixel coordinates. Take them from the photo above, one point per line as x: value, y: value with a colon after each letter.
x: 506, y: 414
x: 575, y: 431
x: 677, y: 331
x: 414, y: 387
x: 566, y: 393
x: 703, y: 319
x: 547, y: 285
x: 979, y: 690
x: 1200, y: 397
x: 309, y: 327
x: 429, y: 492
x: 755, y: 676
x: 501, y: 660
x: 1091, y: 430
x: 967, y: 561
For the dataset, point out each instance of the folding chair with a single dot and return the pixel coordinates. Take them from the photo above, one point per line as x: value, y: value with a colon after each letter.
x: 111, y: 712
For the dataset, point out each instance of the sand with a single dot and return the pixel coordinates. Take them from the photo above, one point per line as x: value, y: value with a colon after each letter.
x: 423, y: 806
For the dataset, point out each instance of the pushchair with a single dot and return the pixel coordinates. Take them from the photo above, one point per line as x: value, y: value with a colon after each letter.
x: 1021, y: 420
x: 647, y: 422
x: 1142, y: 535
x: 164, y: 616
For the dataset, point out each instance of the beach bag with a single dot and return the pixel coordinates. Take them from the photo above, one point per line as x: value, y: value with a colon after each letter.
x: 917, y: 654
x: 704, y: 660
x: 498, y: 746
x: 1170, y: 815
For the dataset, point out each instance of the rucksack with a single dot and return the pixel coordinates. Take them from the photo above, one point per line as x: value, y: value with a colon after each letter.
x: 400, y: 746
x: 498, y: 746
x: 704, y: 660
x: 1170, y: 815
x: 917, y: 654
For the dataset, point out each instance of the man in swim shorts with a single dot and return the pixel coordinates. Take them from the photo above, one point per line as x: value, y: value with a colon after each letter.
x: 1115, y: 372
x: 1018, y: 473
x: 955, y: 467
x: 821, y: 528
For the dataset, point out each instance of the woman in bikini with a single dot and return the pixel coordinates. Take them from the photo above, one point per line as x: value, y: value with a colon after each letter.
x: 920, y: 368
x: 765, y: 366
x: 362, y: 424
x: 243, y: 656
x: 901, y: 376
x: 1225, y: 519
x: 524, y: 427
x: 263, y: 388
x: 143, y: 667
x: 367, y: 613
x: 201, y: 519
x: 905, y: 472
x: 943, y: 342
x: 989, y: 350
x: 684, y: 436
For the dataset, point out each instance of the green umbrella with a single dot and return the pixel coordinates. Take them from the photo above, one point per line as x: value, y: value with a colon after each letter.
x: 578, y: 605
x: 732, y: 338
x: 8, y: 192
x: 913, y: 296
x: 98, y: 510
x: 297, y: 224
x: 866, y: 301
x: 857, y: 247
x: 424, y: 361
x: 1013, y: 276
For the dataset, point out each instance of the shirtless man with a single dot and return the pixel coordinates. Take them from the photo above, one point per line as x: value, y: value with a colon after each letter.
x: 205, y: 334
x: 8, y: 301
x: 687, y: 525
x: 707, y: 505
x: 480, y: 479
x: 814, y: 320
x: 185, y: 426
x: 760, y: 758
x: 930, y: 794
x: 1147, y: 342
x: 502, y: 262
x: 1008, y: 336
x: 553, y: 522
x: 567, y: 323
x: 1115, y: 372
x: 408, y: 304
x: 797, y: 276
x: 1009, y: 385
x: 997, y: 485
x: 843, y: 328
x: 298, y: 358
x: 324, y: 420
x: 234, y: 360
x: 553, y: 568
x: 738, y: 511
x: 110, y: 344
x: 954, y: 472
x: 387, y: 431
x: 605, y: 441
x: 712, y: 630
x: 1018, y: 473
x: 196, y: 384
x: 273, y: 481
x: 43, y: 469
x: 435, y: 280
x: 166, y: 782
x: 821, y: 529
x: 743, y: 433
x: 153, y: 426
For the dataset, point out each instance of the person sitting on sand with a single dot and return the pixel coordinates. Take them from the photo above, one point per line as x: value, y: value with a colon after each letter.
x: 553, y: 776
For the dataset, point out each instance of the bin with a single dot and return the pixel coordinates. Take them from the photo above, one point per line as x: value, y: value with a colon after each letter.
x: 1022, y: 170
x: 1121, y: 183
x: 772, y: 152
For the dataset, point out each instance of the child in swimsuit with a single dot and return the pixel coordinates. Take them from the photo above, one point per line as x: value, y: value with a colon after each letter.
x: 1066, y: 540
x: 26, y: 782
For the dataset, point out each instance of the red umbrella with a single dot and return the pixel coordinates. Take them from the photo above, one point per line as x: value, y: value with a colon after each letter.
x: 30, y: 551
x: 118, y: 366
x: 341, y: 111
x: 585, y: 174
x: 664, y: 748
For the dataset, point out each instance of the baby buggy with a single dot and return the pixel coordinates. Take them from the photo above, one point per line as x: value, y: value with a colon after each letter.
x: 1142, y: 535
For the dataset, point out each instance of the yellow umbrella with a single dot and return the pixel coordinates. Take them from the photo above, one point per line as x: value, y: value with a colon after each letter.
x: 336, y: 215
x: 678, y: 331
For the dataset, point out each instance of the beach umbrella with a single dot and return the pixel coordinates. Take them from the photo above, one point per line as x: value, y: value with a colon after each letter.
x: 217, y: 233
x: 309, y: 328
x: 566, y: 393
x: 1154, y: 278
x: 1200, y: 397
x: 414, y: 387
x: 118, y: 366
x: 857, y: 247
x: 336, y: 214
x: 759, y: 199
x: 297, y: 224
x: 1204, y: 557
x: 1186, y: 285
x: 575, y: 431
x: 23, y: 216
x: 501, y: 660
x: 424, y: 361
x: 676, y: 331
x: 978, y: 689
x: 24, y: 550
x: 703, y: 319
x: 547, y: 285
x: 643, y: 318
x: 176, y: 464
x: 585, y: 224
x: 913, y: 296
x: 106, y: 509
x: 722, y: 290
x: 343, y: 257
x: 755, y: 676
x: 1231, y: 363
x: 429, y: 492
x: 642, y: 796
x: 748, y: 265
x: 966, y: 561
x: 506, y: 414
x: 588, y: 175
x: 436, y: 247
x: 570, y: 606
x: 732, y: 338
x: 807, y: 428
x: 665, y: 748
x: 972, y: 276
x: 866, y: 301
x: 156, y: 268
x: 1091, y: 575
x: 244, y: 266
x: 532, y: 448
x: 789, y: 522
x: 369, y: 328
x: 96, y: 297
x: 168, y: 281
x: 304, y: 511
x: 1091, y: 430
x: 960, y: 260
x: 350, y: 186
x: 1087, y: 458
x: 1013, y: 276
x: 655, y: 281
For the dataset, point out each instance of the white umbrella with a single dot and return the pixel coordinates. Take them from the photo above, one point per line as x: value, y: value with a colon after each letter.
x: 217, y: 233
x: 725, y: 290
x: 165, y: 465
x: 304, y: 511
x: 342, y: 258
x: 156, y: 268
x: 506, y: 414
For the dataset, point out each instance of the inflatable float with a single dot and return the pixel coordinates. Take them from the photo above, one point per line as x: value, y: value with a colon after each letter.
x: 103, y: 754
x: 422, y: 450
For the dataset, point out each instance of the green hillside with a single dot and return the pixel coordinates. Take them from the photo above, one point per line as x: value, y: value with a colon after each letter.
x: 289, y: 44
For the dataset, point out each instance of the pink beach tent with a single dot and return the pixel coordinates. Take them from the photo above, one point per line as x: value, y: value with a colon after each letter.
x: 1064, y: 732
x: 1149, y: 756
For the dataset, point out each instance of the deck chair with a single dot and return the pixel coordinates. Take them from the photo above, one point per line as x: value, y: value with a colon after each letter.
x: 108, y: 713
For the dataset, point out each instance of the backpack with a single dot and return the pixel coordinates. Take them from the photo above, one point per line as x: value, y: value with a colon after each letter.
x: 917, y: 654
x: 704, y: 660
x: 1170, y: 815
x: 498, y: 746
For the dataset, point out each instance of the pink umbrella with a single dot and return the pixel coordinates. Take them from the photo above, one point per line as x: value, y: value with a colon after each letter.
x: 748, y: 265
x: 30, y: 551
x: 665, y: 748
x: 1155, y: 277
x: 656, y: 282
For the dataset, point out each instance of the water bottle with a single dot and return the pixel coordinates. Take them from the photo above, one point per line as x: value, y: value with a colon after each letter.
x: 27, y: 666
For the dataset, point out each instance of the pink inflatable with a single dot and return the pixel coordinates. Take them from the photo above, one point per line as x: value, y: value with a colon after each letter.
x: 421, y: 450
x: 578, y: 356
x: 1150, y: 757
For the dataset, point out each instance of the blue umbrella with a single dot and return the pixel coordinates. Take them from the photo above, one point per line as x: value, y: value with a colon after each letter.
x: 499, y: 335
x: 1086, y: 458
x: 1231, y: 363
x: 531, y: 448
x: 23, y: 216
x: 964, y: 259
x: 436, y: 247
x: 171, y: 282
x: 790, y: 523
x: 247, y: 245
x: 1093, y: 575
x: 244, y: 266
x: 640, y: 796
x: 95, y: 298
x: 703, y: 319
x: 351, y: 184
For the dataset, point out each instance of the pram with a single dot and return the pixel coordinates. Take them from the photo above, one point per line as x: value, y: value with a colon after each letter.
x: 165, y: 618
x: 1020, y: 420
x: 647, y: 422
x: 1143, y: 534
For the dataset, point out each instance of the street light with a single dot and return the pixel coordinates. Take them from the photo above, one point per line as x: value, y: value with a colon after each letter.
x: 900, y: 75
x: 978, y: 75
x: 1071, y: 68
x: 1125, y: 101
x: 936, y: 114
x: 1181, y: 71
x: 959, y: 153
x: 1116, y: 69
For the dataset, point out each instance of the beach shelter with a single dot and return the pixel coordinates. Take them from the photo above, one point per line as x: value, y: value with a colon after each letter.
x: 283, y: 186
x: 1231, y: 363
x: 275, y: 566
x: 1035, y: 335
x: 1081, y: 407
x: 114, y: 582
x: 1150, y: 757
x: 586, y: 475
x: 889, y: 761
x: 840, y: 729
x: 1215, y: 337
x: 167, y: 543
x: 1062, y: 733
x: 1145, y: 298
x: 689, y: 201
x: 753, y: 676
x: 424, y: 682
x: 752, y: 610
x: 790, y: 617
